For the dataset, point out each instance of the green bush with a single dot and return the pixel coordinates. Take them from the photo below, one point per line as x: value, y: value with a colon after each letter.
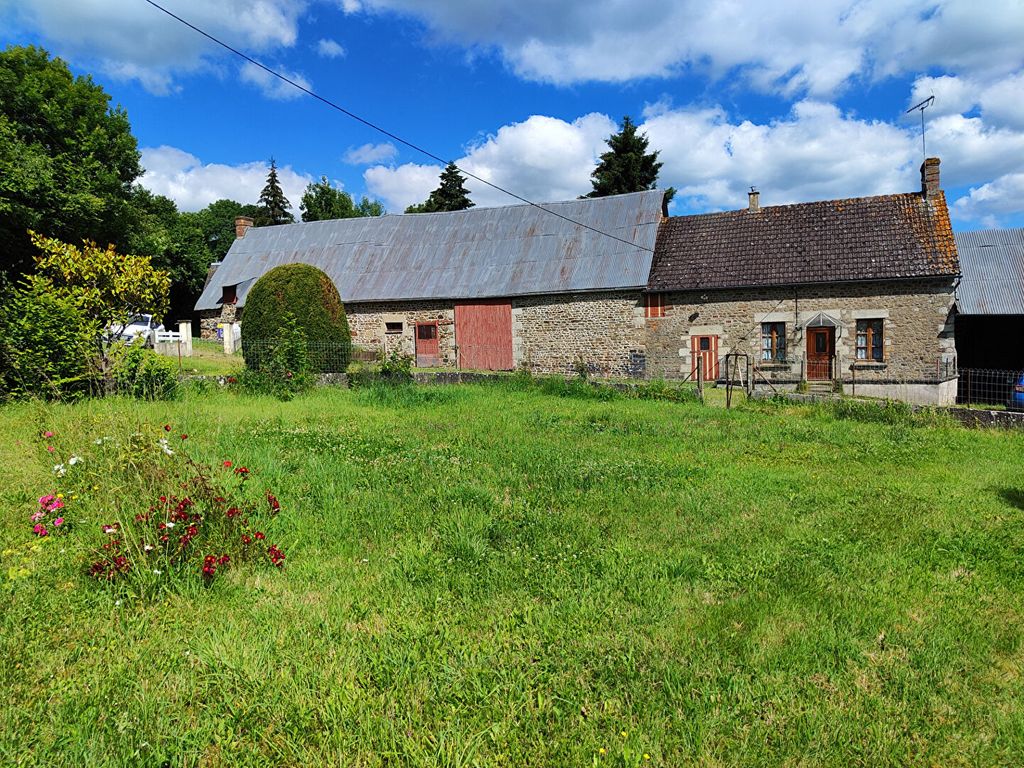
x: 396, y: 367
x: 47, y: 348
x: 308, y: 294
x: 285, y: 365
x: 142, y: 373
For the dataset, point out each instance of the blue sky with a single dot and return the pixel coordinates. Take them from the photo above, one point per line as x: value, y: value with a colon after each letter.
x: 803, y: 99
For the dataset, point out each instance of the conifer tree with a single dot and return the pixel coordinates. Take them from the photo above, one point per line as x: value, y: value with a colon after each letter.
x: 451, y: 194
x: 273, y: 207
x: 627, y: 166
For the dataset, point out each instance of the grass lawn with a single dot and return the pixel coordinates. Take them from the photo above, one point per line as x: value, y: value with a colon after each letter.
x: 479, y: 576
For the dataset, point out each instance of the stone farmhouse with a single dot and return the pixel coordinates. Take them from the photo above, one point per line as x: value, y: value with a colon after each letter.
x: 857, y: 291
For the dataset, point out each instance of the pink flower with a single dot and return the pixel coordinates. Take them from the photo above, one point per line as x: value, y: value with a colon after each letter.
x: 49, y: 448
x: 47, y: 434
x: 40, y: 530
x: 58, y: 522
x: 38, y: 516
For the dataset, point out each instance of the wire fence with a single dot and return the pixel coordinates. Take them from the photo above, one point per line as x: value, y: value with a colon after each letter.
x: 984, y: 386
x: 321, y: 356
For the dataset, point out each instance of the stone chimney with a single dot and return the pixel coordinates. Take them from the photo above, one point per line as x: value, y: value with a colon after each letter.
x: 242, y: 223
x: 754, y: 199
x: 930, y: 178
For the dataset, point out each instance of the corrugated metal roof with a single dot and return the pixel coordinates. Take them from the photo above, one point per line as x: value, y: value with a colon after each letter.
x: 482, y: 252
x: 992, y: 263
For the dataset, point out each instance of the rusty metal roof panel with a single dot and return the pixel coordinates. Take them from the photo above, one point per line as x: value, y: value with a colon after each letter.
x: 483, y: 252
x: 992, y: 263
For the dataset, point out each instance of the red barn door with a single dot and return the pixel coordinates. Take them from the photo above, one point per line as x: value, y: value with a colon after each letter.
x: 427, y: 345
x: 704, y: 353
x: 483, y: 334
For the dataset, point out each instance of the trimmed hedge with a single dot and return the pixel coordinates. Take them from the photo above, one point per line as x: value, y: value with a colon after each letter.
x: 310, y: 296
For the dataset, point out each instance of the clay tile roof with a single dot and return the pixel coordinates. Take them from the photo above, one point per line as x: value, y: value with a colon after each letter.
x: 864, y: 238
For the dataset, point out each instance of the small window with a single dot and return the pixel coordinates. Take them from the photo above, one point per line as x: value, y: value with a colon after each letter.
x: 705, y: 343
x: 426, y: 332
x: 869, y: 340
x: 773, y: 342
x: 229, y: 294
x: 654, y: 305
x: 392, y: 327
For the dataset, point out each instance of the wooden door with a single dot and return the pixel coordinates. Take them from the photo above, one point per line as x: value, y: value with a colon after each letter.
x: 427, y: 346
x: 704, y: 352
x: 483, y: 335
x: 821, y: 349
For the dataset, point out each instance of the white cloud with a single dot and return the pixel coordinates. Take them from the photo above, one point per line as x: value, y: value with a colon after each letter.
x: 370, y: 153
x: 274, y: 87
x: 999, y: 101
x: 402, y: 186
x: 992, y: 202
x: 790, y: 46
x: 330, y: 49
x: 133, y: 40
x: 184, y: 178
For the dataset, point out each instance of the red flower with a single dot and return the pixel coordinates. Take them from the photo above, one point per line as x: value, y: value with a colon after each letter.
x: 184, y: 437
x: 275, y: 505
x: 233, y: 512
x: 167, y: 427
x: 243, y: 472
x: 260, y: 536
x: 246, y: 538
x: 224, y: 559
x: 227, y: 464
x: 276, y: 556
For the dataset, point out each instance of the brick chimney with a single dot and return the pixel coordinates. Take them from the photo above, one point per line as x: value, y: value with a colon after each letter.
x: 753, y: 200
x: 930, y: 177
x: 242, y: 223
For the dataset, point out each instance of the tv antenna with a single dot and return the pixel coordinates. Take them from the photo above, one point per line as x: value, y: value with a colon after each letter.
x: 922, y: 106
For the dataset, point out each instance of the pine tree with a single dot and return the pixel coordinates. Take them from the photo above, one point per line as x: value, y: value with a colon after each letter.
x: 451, y: 194
x: 627, y: 166
x: 273, y: 206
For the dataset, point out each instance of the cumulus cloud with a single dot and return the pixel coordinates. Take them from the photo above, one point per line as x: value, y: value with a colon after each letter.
x: 370, y: 153
x: 190, y: 183
x: 991, y: 203
x: 998, y: 101
x: 133, y: 40
x: 789, y: 46
x: 330, y: 49
x: 273, y: 87
x: 402, y: 186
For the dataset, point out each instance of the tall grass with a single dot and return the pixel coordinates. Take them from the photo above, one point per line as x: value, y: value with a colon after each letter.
x: 486, y: 575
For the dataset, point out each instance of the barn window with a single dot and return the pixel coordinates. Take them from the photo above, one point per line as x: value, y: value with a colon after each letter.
x: 425, y: 332
x: 229, y: 294
x: 869, y: 340
x: 392, y: 327
x: 654, y: 305
x: 773, y: 342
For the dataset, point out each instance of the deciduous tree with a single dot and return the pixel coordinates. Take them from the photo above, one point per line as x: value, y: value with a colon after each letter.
x: 322, y: 201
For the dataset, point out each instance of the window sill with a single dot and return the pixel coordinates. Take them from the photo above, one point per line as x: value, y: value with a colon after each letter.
x: 767, y: 366
x: 869, y: 365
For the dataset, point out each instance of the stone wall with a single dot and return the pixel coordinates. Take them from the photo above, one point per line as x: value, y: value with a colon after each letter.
x: 917, y: 321
x: 368, y: 324
x: 602, y: 331
x: 211, y: 318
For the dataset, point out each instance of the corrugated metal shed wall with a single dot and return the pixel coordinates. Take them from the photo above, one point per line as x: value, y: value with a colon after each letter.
x: 483, y: 252
x: 992, y: 263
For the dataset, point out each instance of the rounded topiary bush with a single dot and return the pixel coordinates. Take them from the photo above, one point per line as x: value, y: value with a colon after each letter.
x: 296, y: 296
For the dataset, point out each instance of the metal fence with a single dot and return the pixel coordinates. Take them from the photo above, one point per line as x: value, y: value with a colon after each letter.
x: 984, y: 386
x: 322, y: 356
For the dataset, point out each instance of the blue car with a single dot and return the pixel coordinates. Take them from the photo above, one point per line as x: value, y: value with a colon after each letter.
x: 1017, y: 395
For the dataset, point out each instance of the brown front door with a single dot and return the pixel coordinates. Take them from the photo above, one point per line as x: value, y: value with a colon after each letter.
x: 821, y: 348
x: 704, y: 353
x: 427, y: 348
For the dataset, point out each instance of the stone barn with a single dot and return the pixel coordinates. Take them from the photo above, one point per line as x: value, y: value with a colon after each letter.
x: 545, y: 287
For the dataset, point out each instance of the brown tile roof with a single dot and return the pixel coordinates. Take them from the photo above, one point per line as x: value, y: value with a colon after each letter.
x: 863, y: 238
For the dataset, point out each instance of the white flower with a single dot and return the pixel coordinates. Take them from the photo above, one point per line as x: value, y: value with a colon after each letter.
x: 59, y: 470
x: 148, y: 547
x: 170, y: 525
x: 117, y: 602
x: 157, y: 572
x: 74, y: 460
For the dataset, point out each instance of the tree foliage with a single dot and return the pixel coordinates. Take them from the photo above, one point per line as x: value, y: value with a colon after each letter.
x: 450, y: 195
x: 307, y: 294
x: 273, y: 207
x: 627, y: 166
x: 105, y: 286
x: 67, y: 159
x: 322, y: 201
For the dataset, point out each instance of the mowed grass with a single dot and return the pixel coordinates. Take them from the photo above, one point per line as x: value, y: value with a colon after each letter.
x: 479, y: 576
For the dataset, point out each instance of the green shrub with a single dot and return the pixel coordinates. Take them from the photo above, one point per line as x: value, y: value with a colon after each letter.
x: 362, y: 374
x: 309, y: 296
x: 396, y: 367
x: 285, y: 367
x: 142, y: 373
x: 47, y: 348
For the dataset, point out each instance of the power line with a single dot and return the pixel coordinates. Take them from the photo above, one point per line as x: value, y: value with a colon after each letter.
x: 386, y: 132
